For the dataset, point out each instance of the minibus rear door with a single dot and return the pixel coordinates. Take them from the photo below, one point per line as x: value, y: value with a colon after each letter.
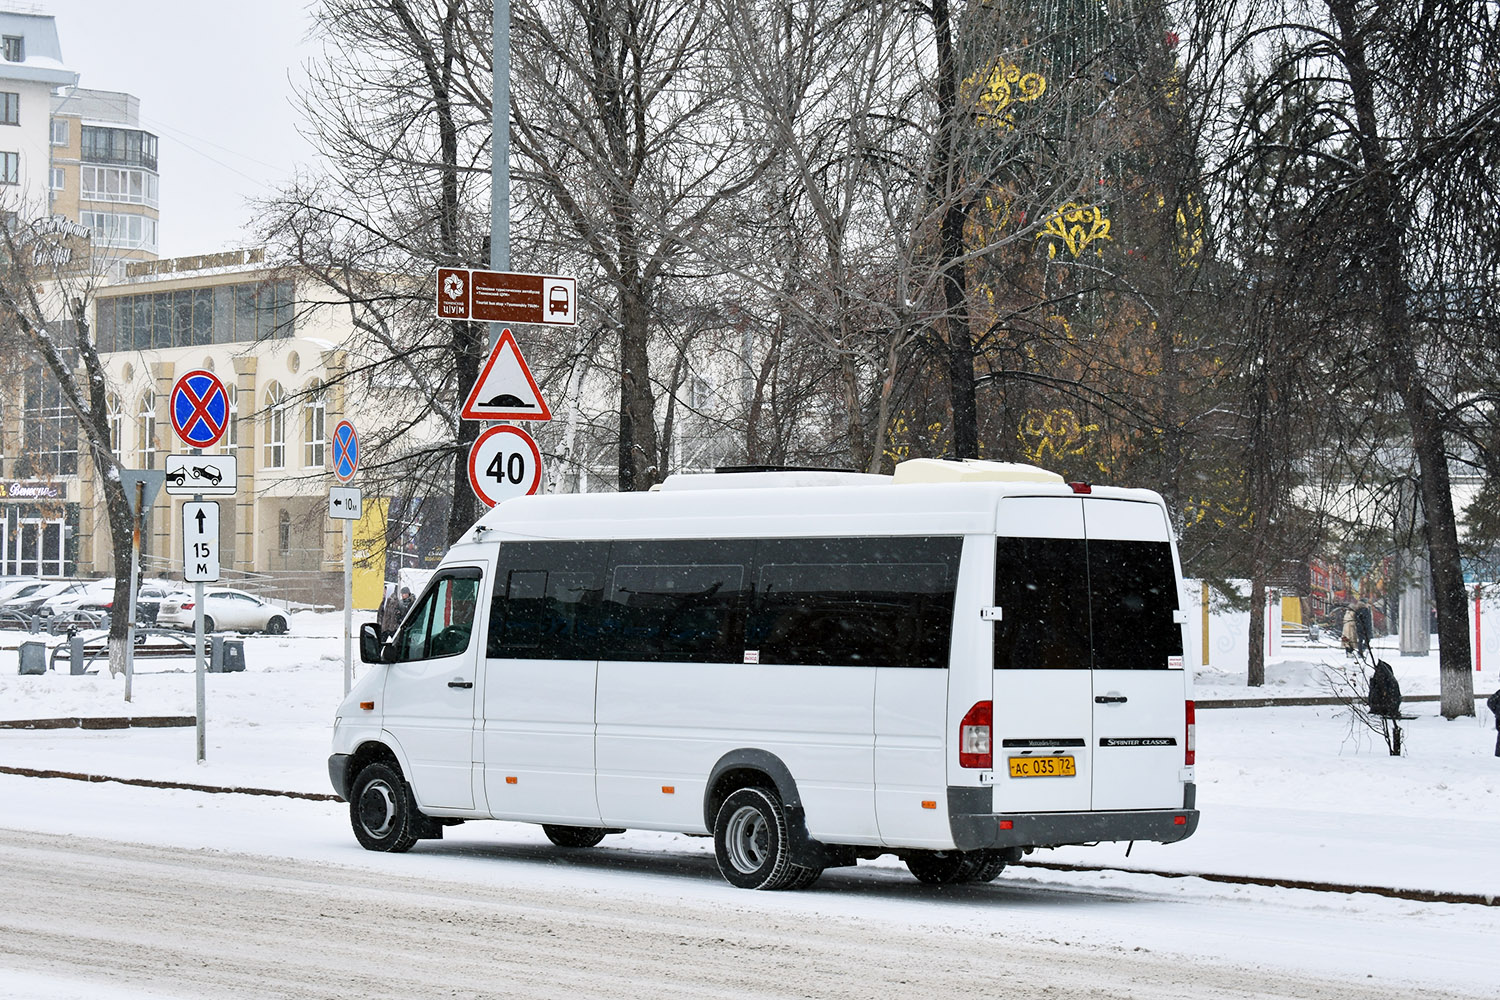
x: 1139, y: 687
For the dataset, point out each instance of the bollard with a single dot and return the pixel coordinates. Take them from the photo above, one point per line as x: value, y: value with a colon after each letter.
x: 76, y: 654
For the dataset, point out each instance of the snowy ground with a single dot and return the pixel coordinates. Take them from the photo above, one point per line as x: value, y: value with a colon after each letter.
x: 1284, y: 792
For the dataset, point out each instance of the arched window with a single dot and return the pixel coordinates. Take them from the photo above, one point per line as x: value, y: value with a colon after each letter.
x: 231, y: 438
x: 315, y: 426
x: 116, y: 426
x: 147, y: 439
x: 275, y: 426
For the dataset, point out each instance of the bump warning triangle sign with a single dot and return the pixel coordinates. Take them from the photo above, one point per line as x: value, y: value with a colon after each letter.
x: 505, y: 389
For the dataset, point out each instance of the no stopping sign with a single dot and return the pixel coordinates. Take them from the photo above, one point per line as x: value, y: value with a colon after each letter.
x: 503, y: 463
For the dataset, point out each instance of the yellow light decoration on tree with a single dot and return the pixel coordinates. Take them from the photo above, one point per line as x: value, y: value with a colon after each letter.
x: 1076, y: 226
x: 1004, y: 86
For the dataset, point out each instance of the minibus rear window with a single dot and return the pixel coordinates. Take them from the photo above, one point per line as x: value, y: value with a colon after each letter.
x: 1041, y: 586
x: 1133, y: 592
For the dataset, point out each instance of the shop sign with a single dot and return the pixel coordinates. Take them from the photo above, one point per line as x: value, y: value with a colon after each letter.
x: 31, y: 489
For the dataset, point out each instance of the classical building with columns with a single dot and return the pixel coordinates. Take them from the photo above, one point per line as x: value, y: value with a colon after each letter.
x: 234, y: 316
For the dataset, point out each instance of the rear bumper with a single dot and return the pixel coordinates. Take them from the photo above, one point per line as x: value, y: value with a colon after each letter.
x: 974, y: 829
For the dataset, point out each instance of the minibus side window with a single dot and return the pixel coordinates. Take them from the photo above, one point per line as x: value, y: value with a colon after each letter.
x: 1042, y: 588
x: 872, y: 602
x: 443, y: 621
x: 546, y: 600
x: 675, y: 601
x: 1134, y: 592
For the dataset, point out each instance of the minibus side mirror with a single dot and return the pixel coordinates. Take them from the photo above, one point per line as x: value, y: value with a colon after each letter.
x: 369, y: 644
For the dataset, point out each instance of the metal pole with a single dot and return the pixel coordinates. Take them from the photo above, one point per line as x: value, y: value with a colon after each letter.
x: 198, y: 655
x: 348, y: 604
x: 135, y: 572
x: 500, y: 142
x: 500, y: 148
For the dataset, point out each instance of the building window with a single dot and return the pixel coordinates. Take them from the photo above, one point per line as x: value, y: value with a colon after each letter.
x: 116, y: 427
x: 135, y: 187
x: 129, y: 147
x: 15, y: 48
x: 10, y: 168
x: 59, y: 131
x: 122, y: 230
x: 231, y: 438
x: 10, y: 108
x: 147, y: 439
x: 284, y: 533
x: 49, y: 431
x: 275, y: 427
x: 59, y: 179
x: 315, y: 436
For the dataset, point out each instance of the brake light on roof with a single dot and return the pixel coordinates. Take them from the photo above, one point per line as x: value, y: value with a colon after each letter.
x: 1081, y: 487
x: 1190, y: 744
x: 974, y: 737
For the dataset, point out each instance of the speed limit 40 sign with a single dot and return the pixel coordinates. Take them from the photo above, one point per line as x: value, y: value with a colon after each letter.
x: 503, y: 463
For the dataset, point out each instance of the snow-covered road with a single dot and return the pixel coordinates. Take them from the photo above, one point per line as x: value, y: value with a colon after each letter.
x: 219, y: 896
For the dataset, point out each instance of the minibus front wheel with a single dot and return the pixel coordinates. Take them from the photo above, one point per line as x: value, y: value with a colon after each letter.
x: 382, y: 809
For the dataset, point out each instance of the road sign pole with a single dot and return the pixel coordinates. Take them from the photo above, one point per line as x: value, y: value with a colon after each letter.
x: 500, y: 149
x: 135, y: 571
x: 198, y: 654
x: 348, y: 605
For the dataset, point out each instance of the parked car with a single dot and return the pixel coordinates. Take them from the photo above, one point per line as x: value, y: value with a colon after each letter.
x: 223, y: 610
x: 92, y: 595
x: 101, y: 597
x: 30, y: 603
x: 17, y: 586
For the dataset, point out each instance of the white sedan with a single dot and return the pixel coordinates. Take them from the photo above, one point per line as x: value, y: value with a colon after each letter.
x: 223, y: 609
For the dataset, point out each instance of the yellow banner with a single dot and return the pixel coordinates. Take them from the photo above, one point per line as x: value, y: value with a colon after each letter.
x: 369, y: 555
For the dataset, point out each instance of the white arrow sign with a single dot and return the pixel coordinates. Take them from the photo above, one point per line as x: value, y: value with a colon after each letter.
x: 200, y: 542
x: 344, y: 502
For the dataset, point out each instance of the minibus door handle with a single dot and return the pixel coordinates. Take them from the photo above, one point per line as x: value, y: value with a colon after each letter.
x: 1110, y: 699
x: 459, y: 682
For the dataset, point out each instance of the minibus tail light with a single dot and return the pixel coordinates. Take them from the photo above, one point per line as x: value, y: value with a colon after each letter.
x: 974, y: 737
x: 1191, y: 743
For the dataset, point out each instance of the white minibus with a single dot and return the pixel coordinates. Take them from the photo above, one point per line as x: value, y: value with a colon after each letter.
x: 956, y: 664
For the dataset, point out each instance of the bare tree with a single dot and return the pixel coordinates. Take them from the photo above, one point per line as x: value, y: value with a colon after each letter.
x: 398, y: 105
x: 1395, y: 136
x: 44, y: 310
x: 624, y: 144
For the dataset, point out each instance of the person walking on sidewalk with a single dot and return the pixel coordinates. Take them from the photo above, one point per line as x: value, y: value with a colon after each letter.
x: 1364, y: 626
x: 1348, y: 630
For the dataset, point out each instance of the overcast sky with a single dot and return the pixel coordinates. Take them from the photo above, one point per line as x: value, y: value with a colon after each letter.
x: 214, y: 80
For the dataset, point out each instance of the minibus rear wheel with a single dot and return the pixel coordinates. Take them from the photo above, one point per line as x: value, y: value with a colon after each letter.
x: 751, y: 843
x: 574, y: 836
x: 382, y: 809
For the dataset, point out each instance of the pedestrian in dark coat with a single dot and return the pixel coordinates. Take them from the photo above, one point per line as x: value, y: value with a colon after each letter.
x: 1494, y: 703
x: 1364, y: 626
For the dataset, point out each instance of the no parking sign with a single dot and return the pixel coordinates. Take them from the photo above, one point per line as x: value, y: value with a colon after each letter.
x: 200, y: 409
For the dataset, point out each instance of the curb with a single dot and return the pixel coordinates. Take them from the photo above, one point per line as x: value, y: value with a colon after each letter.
x: 77, y: 722
x: 31, y: 772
